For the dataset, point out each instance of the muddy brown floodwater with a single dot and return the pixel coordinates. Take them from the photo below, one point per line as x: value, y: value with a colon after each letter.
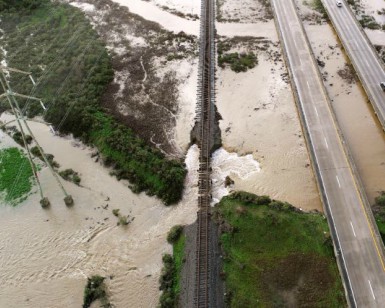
x: 46, y: 255
x: 260, y: 118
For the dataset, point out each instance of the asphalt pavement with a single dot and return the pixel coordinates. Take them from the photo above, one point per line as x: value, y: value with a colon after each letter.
x: 358, y: 249
x: 365, y: 60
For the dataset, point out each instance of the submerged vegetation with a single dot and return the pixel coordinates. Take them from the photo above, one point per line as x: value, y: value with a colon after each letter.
x: 71, y: 81
x: 71, y: 176
x: 170, y: 279
x: 275, y: 255
x: 95, y: 290
x: 369, y: 22
x: 238, y: 62
x: 15, y: 176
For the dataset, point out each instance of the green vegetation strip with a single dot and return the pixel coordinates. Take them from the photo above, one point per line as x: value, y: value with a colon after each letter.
x: 276, y: 255
x: 73, y: 68
x: 170, y: 280
x: 15, y: 175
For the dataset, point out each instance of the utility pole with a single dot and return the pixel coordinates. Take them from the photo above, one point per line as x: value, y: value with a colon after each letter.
x: 20, y: 119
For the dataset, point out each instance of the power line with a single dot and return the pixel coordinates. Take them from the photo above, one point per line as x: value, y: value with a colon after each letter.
x: 11, y: 97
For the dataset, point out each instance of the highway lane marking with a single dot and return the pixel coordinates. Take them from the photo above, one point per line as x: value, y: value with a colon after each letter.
x: 308, y: 86
x: 338, y: 181
x: 354, y: 233
x: 326, y: 143
x: 371, y: 289
x: 289, y: 55
x: 301, y: 103
x: 316, y: 111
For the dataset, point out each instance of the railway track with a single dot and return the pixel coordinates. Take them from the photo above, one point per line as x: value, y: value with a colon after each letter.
x: 205, y: 114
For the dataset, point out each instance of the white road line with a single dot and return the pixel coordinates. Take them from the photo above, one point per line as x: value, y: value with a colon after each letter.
x: 354, y: 233
x: 338, y: 181
x: 308, y: 86
x: 326, y: 143
x: 290, y: 60
x: 371, y: 289
x: 316, y: 111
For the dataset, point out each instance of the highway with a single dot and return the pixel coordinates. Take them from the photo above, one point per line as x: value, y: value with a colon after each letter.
x: 358, y: 249
x: 360, y: 51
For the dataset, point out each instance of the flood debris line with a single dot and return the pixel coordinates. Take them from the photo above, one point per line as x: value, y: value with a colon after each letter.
x: 293, y: 263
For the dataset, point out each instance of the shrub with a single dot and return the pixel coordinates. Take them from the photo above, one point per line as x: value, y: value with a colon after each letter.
x: 95, y: 290
x: 238, y: 62
x: 69, y: 175
x: 166, y: 280
x: 123, y: 221
x: 174, y: 234
x: 18, y: 137
x: 116, y: 212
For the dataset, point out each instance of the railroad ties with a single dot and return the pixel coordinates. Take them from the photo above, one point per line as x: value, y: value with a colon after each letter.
x: 205, y: 120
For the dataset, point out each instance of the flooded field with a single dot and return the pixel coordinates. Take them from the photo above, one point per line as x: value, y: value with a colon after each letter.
x: 46, y: 255
x: 260, y: 118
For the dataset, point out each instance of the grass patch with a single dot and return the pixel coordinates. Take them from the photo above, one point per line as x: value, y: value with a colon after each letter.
x: 276, y: 255
x: 73, y: 69
x: 170, y: 279
x: 15, y: 175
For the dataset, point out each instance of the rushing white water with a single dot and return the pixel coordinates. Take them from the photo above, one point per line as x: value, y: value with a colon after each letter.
x: 230, y: 164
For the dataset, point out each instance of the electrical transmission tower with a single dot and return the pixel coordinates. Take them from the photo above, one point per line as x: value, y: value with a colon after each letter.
x: 23, y: 124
